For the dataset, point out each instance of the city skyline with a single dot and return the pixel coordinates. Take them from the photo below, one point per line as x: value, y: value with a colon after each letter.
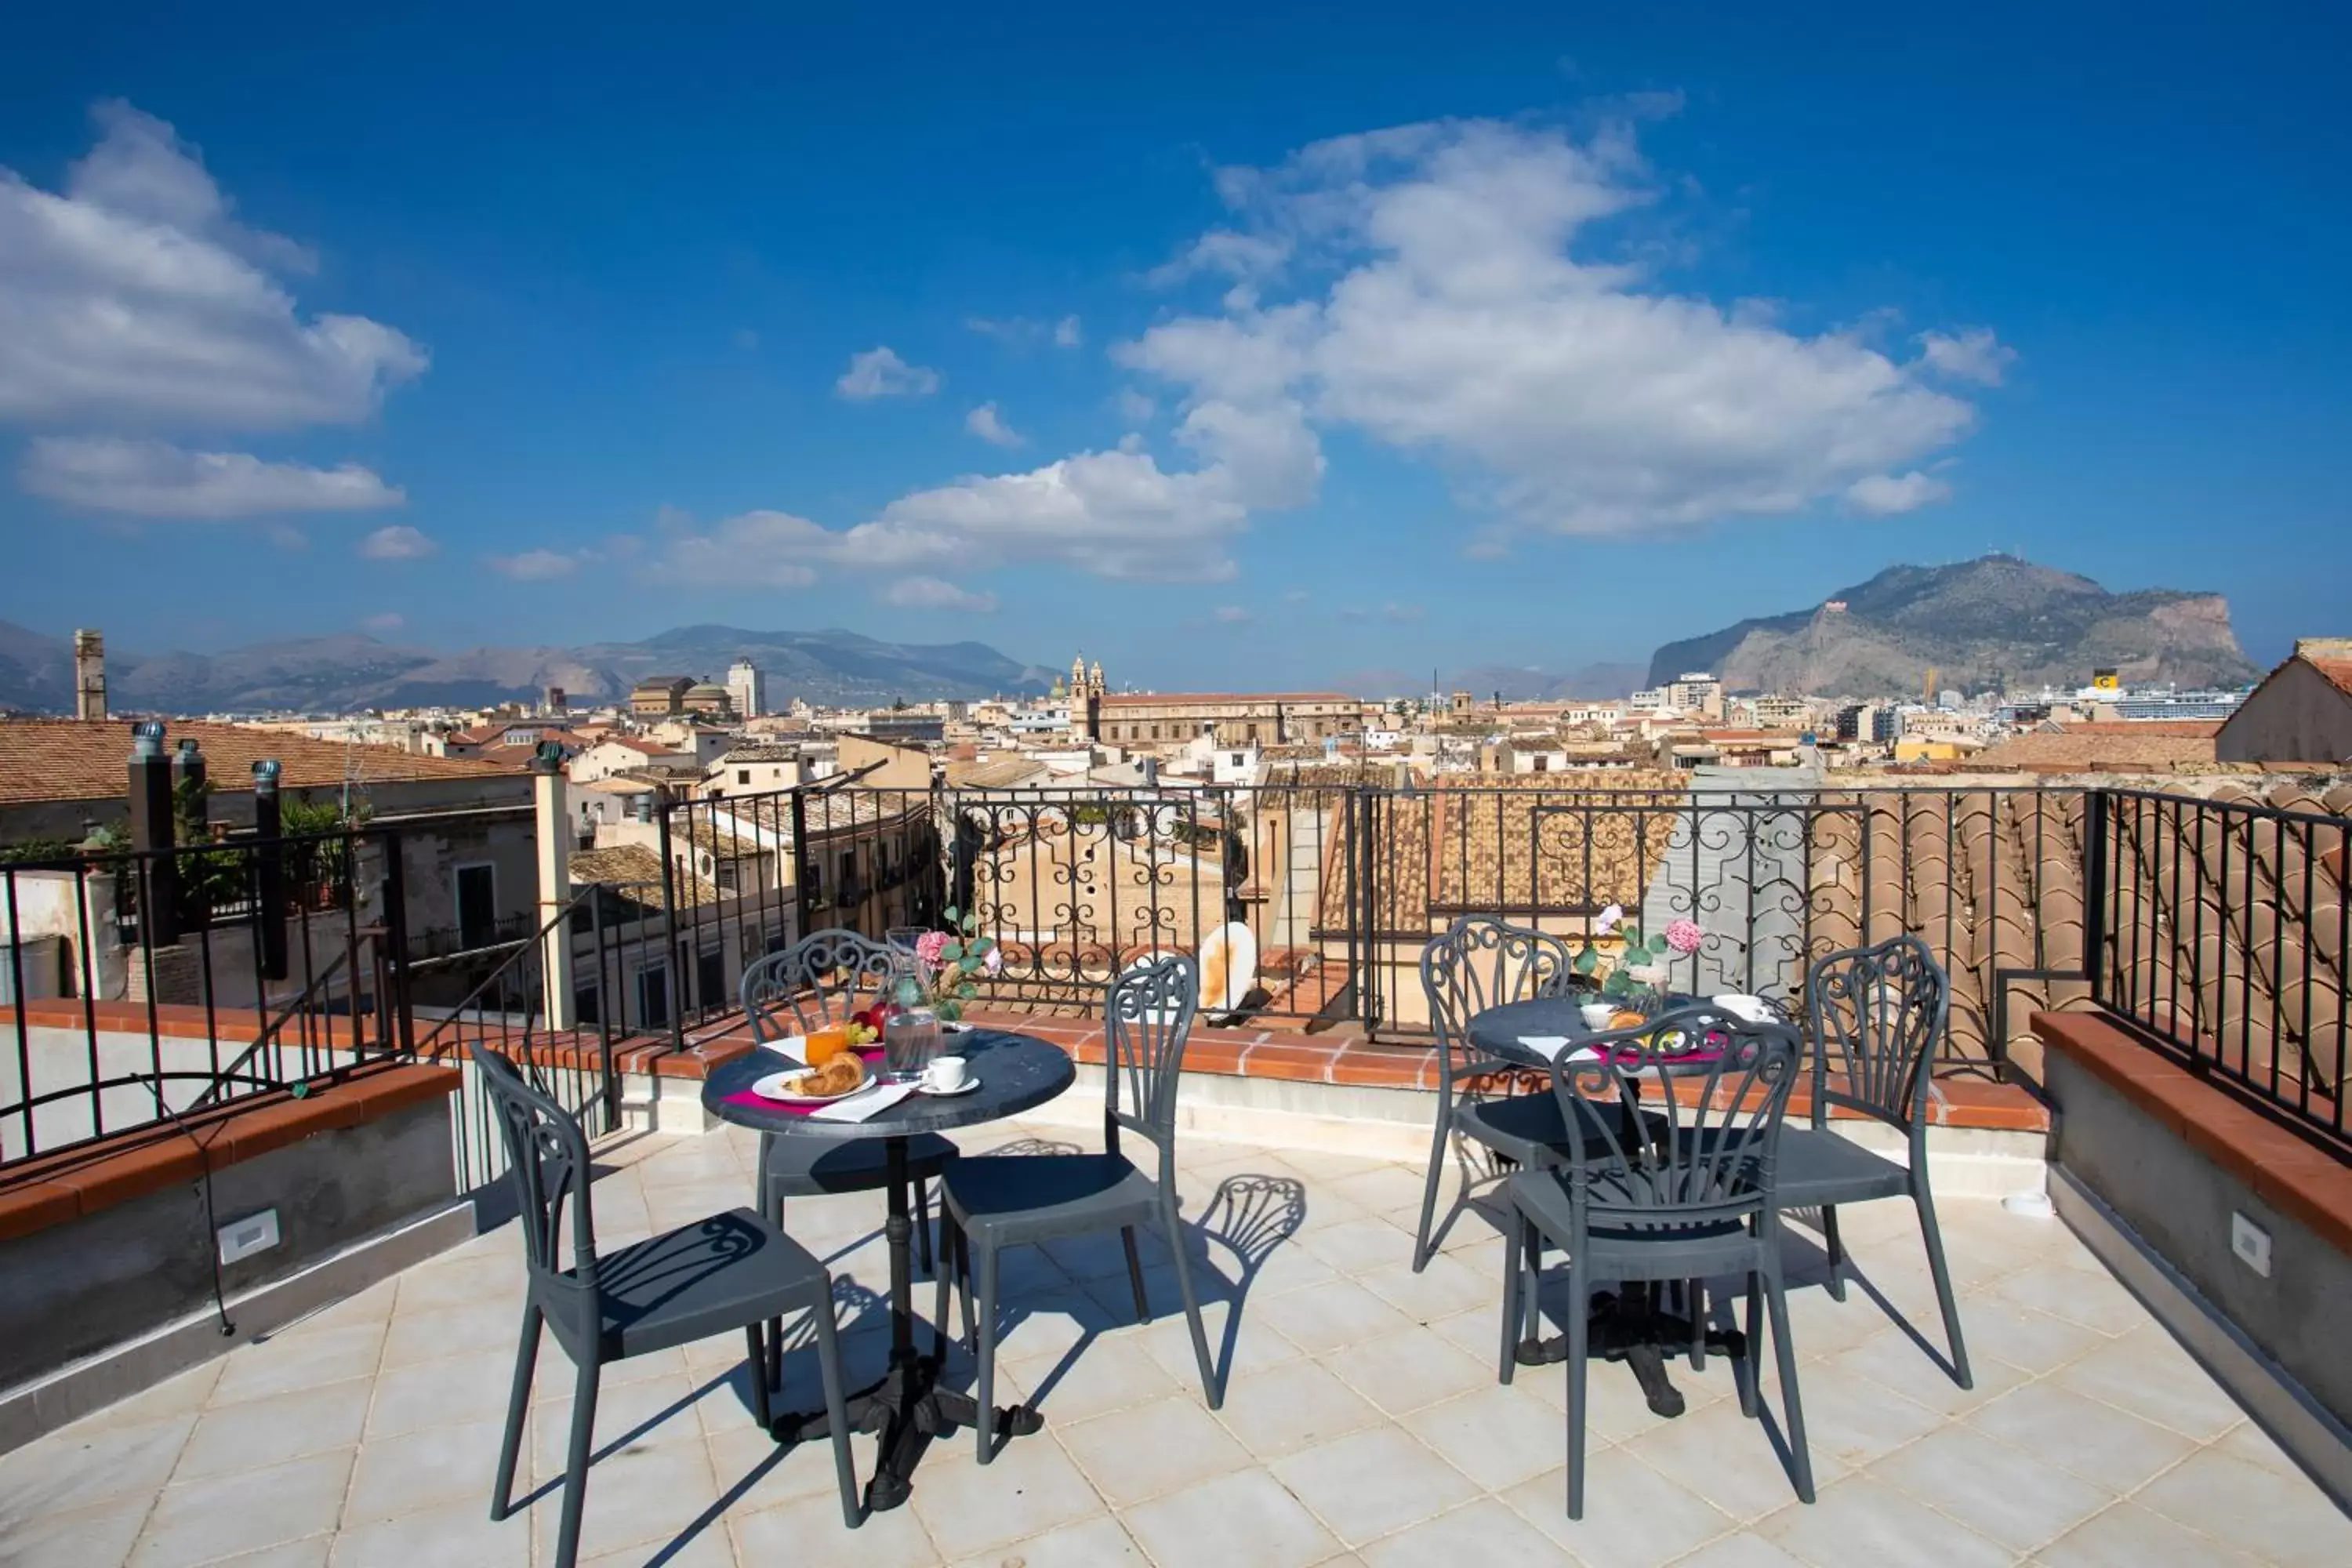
x: 1535, y: 343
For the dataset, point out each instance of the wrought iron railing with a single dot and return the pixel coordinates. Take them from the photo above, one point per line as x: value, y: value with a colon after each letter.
x: 2224, y: 940
x: 1338, y: 885
x: 177, y: 980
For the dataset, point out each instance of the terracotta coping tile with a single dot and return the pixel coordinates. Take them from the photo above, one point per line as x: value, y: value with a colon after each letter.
x: 54, y: 1189
x: 2290, y: 1174
x: 36, y: 1207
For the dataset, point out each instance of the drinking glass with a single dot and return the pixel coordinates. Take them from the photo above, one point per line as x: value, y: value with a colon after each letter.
x: 909, y: 1040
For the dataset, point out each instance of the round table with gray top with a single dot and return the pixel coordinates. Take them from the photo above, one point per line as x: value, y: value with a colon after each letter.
x: 1013, y: 1073
x: 1633, y: 1328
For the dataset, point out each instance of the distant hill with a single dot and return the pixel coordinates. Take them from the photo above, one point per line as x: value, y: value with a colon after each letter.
x: 343, y: 673
x: 1976, y: 623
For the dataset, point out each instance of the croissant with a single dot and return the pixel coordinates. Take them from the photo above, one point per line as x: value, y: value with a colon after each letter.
x: 839, y: 1076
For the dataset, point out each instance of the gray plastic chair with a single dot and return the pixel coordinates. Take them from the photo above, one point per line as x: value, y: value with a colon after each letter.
x: 1483, y: 962
x: 733, y: 1271
x: 1014, y: 1200
x: 1689, y: 1199
x: 1879, y: 1012
x: 819, y: 980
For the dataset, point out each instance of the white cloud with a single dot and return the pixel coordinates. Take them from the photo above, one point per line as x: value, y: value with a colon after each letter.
x: 935, y: 594
x: 1391, y: 612
x: 1974, y: 354
x: 535, y: 565
x: 1135, y: 407
x: 752, y: 550
x: 1066, y: 334
x: 397, y: 542
x: 132, y: 298
x: 1231, y: 614
x: 880, y: 372
x: 1884, y: 495
x: 390, y: 621
x: 154, y: 479
x: 989, y: 427
x: 1469, y: 319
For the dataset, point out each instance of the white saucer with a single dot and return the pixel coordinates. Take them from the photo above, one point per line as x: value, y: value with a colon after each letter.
x: 969, y: 1084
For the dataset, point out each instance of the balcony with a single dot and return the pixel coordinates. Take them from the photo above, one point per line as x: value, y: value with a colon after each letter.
x: 2101, y: 969
x: 1362, y: 1417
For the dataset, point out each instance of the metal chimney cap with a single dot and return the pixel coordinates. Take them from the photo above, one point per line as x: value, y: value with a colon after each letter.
x: 147, y: 738
x: 265, y: 772
x: 188, y: 747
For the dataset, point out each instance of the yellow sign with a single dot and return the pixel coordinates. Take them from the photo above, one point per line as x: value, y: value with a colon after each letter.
x: 2105, y: 680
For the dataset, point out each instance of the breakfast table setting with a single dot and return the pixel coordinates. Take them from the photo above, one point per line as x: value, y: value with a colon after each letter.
x: 834, y: 1084
x: 1633, y: 1325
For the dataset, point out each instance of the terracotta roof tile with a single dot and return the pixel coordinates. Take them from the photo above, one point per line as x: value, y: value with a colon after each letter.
x: 70, y: 759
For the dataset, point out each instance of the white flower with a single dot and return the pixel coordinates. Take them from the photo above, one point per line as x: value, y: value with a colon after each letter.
x: 1609, y: 919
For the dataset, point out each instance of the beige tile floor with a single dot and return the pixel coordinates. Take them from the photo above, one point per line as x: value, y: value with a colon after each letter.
x: 1363, y: 1423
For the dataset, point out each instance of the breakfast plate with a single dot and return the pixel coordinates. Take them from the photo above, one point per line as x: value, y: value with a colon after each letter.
x: 781, y: 1086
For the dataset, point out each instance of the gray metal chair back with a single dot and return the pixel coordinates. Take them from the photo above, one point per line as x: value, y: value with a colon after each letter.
x: 1876, y: 1014
x: 547, y: 1157
x: 1712, y: 1160
x: 1482, y: 961
x: 1146, y: 1018
x: 818, y: 979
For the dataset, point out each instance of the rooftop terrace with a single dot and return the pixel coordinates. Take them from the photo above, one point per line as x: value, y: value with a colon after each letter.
x: 1362, y: 1424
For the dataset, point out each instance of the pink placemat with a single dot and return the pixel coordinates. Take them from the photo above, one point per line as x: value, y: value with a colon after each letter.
x: 868, y: 1054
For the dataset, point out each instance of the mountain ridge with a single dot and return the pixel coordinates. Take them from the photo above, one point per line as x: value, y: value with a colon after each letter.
x: 349, y: 671
x: 1997, y: 620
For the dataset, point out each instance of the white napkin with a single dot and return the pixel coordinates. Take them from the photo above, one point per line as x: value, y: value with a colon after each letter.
x: 1740, y: 1004
x: 1548, y: 1046
x: 865, y: 1103
x: 792, y: 1048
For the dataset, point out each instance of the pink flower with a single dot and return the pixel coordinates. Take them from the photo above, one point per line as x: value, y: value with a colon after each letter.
x: 929, y: 946
x: 1684, y: 937
x: 1609, y: 919
x: 995, y: 960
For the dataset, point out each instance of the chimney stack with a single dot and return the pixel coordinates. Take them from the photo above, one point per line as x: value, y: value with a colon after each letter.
x: 90, y: 676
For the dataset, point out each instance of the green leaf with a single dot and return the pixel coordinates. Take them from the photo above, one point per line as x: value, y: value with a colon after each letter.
x: 951, y: 952
x: 1631, y: 933
x: 1587, y: 962
x: 967, y: 990
x: 909, y: 993
x: 1616, y: 984
x: 1658, y: 945
x: 949, y: 913
x: 948, y: 1012
x: 969, y: 964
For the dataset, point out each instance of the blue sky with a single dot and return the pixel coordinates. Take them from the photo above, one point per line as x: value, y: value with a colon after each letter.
x: 1238, y: 348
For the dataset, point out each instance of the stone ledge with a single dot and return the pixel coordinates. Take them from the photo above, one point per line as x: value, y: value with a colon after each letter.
x: 2293, y: 1177
x: 53, y: 1189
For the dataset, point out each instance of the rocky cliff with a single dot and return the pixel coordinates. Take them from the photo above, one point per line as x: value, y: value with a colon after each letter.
x: 1979, y: 623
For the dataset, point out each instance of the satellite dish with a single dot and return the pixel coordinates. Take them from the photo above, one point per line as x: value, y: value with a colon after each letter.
x: 1228, y: 966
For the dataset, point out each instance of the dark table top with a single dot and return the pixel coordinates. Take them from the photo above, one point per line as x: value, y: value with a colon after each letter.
x: 1496, y: 1030
x: 1017, y: 1073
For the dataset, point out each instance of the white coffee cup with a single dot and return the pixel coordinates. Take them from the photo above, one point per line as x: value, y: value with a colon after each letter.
x: 1597, y: 1015
x: 946, y: 1075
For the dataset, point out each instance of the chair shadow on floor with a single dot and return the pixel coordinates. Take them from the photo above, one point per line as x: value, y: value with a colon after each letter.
x: 1808, y: 1263
x: 864, y: 1315
x: 1249, y: 1216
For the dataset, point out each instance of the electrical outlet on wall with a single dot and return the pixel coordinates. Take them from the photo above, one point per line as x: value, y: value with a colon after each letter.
x: 244, y: 1237
x: 2252, y: 1243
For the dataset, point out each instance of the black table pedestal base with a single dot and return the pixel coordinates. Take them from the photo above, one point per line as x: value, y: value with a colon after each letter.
x: 908, y: 1408
x: 1632, y: 1330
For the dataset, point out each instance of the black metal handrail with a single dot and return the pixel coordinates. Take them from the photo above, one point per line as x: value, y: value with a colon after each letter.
x: 2224, y: 940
